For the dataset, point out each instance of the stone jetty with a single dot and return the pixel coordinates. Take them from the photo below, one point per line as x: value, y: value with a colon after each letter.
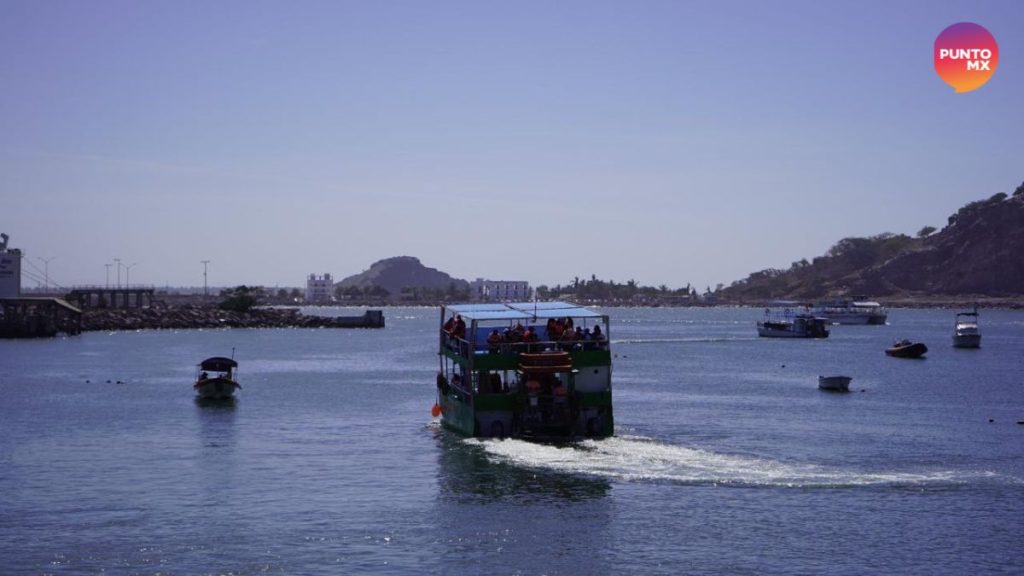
x: 197, y: 316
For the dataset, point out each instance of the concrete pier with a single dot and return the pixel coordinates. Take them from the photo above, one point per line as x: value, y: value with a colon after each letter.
x: 38, y: 318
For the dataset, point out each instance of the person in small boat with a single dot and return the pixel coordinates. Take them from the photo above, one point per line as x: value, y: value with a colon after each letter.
x: 494, y: 342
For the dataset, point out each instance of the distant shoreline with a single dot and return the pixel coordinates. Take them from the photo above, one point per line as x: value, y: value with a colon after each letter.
x: 1010, y: 303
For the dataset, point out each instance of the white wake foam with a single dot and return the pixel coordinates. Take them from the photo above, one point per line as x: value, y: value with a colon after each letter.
x: 634, y: 458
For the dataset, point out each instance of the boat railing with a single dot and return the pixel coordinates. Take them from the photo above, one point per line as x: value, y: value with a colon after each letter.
x: 463, y: 346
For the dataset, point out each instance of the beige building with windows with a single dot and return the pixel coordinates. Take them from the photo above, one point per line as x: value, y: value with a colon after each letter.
x: 500, y: 290
x: 319, y: 289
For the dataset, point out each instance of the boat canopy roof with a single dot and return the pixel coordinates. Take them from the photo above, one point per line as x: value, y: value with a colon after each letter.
x: 218, y: 364
x: 521, y: 311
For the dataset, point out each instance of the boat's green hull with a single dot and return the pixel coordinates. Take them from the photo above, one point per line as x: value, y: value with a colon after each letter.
x: 501, y: 416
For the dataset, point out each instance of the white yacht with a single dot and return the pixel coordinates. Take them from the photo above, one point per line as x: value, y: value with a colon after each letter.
x: 966, y: 334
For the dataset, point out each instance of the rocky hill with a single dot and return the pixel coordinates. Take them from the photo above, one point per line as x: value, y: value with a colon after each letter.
x: 978, y: 253
x: 402, y: 274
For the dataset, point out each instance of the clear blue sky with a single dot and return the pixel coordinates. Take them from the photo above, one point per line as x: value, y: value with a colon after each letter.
x: 668, y: 142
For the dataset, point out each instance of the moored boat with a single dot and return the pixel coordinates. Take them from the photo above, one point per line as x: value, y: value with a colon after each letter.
x: 534, y: 370
x: 215, y: 379
x: 852, y: 312
x: 907, y: 349
x: 834, y: 383
x: 787, y: 324
x: 966, y: 333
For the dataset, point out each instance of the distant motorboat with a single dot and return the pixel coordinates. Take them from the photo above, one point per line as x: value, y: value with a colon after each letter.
x: 787, y: 324
x: 907, y: 349
x: 834, y: 383
x: 966, y: 333
x: 215, y: 379
x: 850, y: 312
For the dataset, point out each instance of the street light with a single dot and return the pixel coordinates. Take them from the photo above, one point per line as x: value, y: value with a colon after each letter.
x: 127, y: 274
x: 108, y: 275
x: 118, y: 260
x: 46, y: 262
x: 206, y: 290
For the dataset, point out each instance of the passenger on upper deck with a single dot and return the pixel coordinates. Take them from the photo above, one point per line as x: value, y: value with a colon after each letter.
x: 555, y: 328
x: 460, y: 327
x: 530, y: 338
x: 449, y: 326
x: 494, y: 342
x: 568, y: 339
x: 597, y: 337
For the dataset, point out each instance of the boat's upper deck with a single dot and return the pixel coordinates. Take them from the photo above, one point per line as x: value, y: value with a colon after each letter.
x: 522, y: 311
x: 486, y: 334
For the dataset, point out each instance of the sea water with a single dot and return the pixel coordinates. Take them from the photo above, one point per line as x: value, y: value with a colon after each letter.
x: 726, y: 459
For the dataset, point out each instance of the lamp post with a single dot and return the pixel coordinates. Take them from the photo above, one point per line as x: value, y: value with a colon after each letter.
x: 46, y: 273
x: 206, y: 290
x: 118, y: 260
x: 108, y: 275
x: 127, y: 274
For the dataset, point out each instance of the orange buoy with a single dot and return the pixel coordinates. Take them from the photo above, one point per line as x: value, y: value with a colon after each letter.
x: 435, y: 411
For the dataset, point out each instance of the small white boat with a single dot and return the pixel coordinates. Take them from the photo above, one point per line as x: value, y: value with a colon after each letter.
x: 215, y: 379
x: 834, y: 383
x: 966, y: 334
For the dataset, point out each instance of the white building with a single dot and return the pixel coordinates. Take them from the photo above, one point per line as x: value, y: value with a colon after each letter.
x: 319, y: 289
x: 500, y: 290
x: 10, y: 270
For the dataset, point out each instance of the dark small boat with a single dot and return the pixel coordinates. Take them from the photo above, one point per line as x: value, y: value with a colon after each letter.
x: 221, y: 384
x: 907, y: 349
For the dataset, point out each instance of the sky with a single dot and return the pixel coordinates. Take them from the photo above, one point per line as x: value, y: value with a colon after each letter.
x: 675, y: 143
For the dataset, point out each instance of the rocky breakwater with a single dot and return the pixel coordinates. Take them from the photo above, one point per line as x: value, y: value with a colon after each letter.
x: 192, y: 317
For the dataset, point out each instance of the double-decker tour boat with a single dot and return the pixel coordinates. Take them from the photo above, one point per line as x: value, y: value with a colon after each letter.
x: 534, y: 370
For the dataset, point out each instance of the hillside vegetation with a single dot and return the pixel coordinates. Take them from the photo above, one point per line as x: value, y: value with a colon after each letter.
x: 980, y: 252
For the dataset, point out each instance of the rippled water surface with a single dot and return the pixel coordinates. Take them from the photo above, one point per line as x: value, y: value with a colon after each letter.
x: 727, y: 459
